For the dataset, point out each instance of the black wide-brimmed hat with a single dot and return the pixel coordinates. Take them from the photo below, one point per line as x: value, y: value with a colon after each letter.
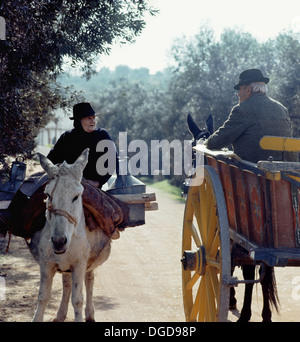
x: 82, y: 110
x: 249, y: 76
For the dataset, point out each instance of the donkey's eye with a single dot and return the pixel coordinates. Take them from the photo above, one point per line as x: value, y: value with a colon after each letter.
x: 75, y: 198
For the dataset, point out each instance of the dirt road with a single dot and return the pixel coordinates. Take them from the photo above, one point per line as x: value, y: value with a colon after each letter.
x: 141, y: 281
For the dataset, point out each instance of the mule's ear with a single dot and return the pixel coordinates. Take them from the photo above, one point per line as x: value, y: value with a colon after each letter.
x: 210, y: 124
x: 193, y: 128
x: 81, y: 162
x: 47, y: 165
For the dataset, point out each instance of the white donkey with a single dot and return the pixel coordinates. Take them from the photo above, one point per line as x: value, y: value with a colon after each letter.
x: 65, y: 244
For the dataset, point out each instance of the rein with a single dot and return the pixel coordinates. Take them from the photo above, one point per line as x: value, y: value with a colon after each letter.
x: 51, y: 208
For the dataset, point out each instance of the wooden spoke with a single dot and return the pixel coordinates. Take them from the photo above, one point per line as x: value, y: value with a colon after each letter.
x: 206, y: 238
x: 195, y: 235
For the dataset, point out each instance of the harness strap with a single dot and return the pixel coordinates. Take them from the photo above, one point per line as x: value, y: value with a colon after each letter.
x: 60, y: 212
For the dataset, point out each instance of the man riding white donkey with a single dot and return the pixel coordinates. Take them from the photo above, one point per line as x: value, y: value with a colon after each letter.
x: 62, y: 240
x: 65, y: 244
x: 69, y: 146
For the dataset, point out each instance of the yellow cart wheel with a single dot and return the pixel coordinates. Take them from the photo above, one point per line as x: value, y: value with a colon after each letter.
x: 206, y: 261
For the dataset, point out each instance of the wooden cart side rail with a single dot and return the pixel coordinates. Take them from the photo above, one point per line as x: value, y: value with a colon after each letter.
x: 245, y: 199
x: 270, y: 170
x: 270, y: 208
x: 230, y: 158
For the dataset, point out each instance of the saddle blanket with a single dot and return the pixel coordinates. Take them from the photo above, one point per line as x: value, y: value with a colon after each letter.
x: 102, y: 210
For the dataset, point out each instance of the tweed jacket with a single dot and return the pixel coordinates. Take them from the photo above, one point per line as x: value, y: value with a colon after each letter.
x: 247, y: 123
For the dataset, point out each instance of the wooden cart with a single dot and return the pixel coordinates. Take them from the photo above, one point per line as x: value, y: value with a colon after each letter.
x: 237, y: 213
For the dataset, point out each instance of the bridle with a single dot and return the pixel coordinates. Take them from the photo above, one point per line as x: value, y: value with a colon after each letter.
x: 51, y: 209
x: 60, y: 212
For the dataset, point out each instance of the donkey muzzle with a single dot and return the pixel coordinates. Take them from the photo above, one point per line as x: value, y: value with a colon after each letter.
x: 59, y: 244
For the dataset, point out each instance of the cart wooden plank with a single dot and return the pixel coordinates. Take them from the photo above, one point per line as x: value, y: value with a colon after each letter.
x: 265, y: 210
x: 151, y: 206
x: 276, y: 166
x: 147, y: 199
x: 136, y: 198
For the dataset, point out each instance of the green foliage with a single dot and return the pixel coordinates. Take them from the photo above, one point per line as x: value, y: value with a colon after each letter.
x: 44, y: 34
x: 207, y: 69
x: 285, y: 74
x: 40, y: 36
x: 127, y: 99
x: 201, y: 82
x: 173, y: 191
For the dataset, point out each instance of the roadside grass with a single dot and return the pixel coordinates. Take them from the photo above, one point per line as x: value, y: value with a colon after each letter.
x: 171, y: 190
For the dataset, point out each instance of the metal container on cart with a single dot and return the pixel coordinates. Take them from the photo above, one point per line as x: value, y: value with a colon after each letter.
x: 130, y: 185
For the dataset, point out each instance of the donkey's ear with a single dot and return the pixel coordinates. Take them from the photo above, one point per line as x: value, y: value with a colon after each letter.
x: 47, y: 165
x: 82, y: 160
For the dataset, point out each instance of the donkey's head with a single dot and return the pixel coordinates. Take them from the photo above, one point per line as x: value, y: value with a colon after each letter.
x: 64, y: 202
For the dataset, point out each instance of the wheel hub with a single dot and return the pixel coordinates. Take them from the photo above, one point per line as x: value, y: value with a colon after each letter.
x: 194, y: 260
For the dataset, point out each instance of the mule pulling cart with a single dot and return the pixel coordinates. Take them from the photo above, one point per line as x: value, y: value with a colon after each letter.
x: 237, y: 213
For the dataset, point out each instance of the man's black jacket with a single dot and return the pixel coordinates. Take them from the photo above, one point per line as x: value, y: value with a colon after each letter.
x: 72, y: 143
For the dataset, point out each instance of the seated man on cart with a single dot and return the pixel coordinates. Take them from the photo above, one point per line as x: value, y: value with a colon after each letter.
x: 255, y: 116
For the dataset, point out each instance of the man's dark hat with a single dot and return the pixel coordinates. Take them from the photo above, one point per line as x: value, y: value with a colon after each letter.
x: 82, y: 110
x: 249, y: 76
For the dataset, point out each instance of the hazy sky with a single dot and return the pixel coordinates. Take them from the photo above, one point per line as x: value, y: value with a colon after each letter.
x: 262, y: 18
